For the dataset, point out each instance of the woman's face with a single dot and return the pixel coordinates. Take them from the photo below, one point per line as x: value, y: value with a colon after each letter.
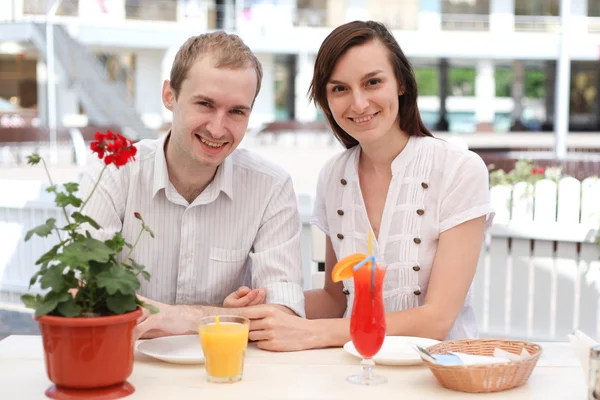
x: 362, y: 93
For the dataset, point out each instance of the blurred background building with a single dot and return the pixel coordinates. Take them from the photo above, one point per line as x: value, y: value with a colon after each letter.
x: 481, y: 65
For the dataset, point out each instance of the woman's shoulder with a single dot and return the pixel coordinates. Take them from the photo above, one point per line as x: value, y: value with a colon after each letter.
x: 449, y: 155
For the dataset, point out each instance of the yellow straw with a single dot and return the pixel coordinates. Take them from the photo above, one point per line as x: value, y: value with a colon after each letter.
x: 370, y: 249
x: 218, y: 323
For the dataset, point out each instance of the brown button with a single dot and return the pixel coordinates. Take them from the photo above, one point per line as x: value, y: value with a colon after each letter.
x: 346, y: 291
x: 424, y: 185
x: 416, y: 240
x: 417, y: 292
x: 416, y: 268
x: 340, y: 236
x: 340, y: 212
x: 420, y: 212
x: 343, y: 181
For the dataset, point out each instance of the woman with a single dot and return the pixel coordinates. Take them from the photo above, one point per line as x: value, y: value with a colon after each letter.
x: 425, y: 201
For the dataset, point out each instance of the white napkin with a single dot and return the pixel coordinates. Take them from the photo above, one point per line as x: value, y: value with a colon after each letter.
x: 582, y: 344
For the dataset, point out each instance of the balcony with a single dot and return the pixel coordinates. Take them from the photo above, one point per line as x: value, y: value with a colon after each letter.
x: 465, y: 22
x: 537, y: 23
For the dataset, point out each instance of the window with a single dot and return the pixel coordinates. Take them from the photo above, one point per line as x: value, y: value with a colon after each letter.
x: 481, y: 7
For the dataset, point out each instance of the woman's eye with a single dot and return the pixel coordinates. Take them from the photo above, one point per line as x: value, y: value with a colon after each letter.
x: 337, y: 88
x: 372, y: 82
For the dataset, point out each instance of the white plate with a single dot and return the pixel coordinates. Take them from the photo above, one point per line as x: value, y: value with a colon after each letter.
x: 396, y: 350
x: 185, y: 349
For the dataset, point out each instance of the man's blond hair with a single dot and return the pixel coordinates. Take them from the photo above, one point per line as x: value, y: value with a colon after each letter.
x: 228, y: 51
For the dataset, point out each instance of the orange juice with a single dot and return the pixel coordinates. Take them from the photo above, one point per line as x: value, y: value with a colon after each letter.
x: 224, y: 349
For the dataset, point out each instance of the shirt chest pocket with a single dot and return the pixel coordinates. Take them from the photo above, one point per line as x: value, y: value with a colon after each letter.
x: 228, y: 256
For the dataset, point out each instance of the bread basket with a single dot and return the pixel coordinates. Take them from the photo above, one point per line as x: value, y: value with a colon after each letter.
x: 484, y: 378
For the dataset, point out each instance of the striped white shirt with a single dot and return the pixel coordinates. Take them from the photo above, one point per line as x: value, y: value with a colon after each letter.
x: 244, y: 227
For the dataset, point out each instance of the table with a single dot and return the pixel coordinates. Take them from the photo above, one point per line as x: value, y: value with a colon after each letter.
x: 306, y: 375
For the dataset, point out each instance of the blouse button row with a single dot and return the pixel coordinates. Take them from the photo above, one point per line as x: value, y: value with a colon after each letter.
x: 417, y: 292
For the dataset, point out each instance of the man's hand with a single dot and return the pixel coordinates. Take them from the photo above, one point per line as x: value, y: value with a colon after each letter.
x: 278, y: 330
x: 170, y: 320
x: 244, y: 297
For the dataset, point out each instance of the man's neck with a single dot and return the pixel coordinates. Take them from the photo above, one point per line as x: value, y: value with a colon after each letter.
x: 187, y: 176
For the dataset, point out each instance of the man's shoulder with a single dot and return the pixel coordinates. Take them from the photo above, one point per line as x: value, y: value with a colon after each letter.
x: 147, y: 148
x: 247, y: 162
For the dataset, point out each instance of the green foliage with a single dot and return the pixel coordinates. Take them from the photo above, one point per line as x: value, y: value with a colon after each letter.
x: 105, y: 283
x: 428, y: 81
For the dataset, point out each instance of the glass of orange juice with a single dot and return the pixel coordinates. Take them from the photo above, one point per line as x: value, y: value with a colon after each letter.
x: 224, y: 340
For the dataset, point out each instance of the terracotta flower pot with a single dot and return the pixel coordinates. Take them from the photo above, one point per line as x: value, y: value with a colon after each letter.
x: 88, y: 353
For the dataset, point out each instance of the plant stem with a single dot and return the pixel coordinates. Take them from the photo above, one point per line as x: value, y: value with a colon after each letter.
x: 136, y: 243
x: 93, y: 189
x: 63, y: 208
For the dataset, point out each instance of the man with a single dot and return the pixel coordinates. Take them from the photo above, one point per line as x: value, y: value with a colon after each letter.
x: 211, y: 207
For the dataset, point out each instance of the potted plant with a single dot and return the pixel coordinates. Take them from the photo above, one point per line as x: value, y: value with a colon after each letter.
x: 89, y: 308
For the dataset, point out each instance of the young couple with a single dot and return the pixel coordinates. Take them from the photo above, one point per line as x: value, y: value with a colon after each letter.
x: 215, y: 209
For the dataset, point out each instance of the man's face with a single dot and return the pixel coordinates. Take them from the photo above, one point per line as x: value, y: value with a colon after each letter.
x: 211, y: 113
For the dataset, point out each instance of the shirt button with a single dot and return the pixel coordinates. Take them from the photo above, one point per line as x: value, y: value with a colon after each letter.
x: 340, y: 236
x: 420, y: 211
x: 417, y: 240
x: 343, y: 181
x: 417, y: 292
x: 416, y: 268
x: 424, y: 185
x: 346, y: 291
x: 340, y: 212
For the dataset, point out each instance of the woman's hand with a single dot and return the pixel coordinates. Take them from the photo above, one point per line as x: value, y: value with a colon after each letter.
x: 244, y: 297
x: 276, y: 330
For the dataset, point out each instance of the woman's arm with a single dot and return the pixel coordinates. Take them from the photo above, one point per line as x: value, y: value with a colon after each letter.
x: 451, y: 276
x: 329, y: 302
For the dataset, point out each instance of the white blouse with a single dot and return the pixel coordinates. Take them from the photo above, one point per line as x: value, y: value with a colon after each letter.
x: 435, y: 186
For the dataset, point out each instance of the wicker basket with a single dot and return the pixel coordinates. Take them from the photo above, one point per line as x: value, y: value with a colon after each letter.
x: 486, y: 377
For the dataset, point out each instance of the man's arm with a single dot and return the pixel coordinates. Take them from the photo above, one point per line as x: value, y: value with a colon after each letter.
x: 276, y: 256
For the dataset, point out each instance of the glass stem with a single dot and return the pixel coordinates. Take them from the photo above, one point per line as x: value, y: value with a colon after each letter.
x: 366, y: 366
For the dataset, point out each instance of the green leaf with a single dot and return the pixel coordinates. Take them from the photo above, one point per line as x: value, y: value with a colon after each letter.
x: 64, y: 200
x: 136, y: 266
x: 80, y: 218
x: 85, y: 250
x: 121, y: 303
x: 30, y: 301
x: 51, y: 189
x: 49, y: 255
x: 71, y: 187
x: 116, y: 243
x: 42, y: 230
x: 53, y: 278
x: 117, y: 279
x: 146, y: 275
x: 69, y: 308
x: 33, y: 159
x: 151, y: 308
x: 50, y: 302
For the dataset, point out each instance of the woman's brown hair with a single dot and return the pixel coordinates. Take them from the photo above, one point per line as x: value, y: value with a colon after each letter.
x: 336, y: 44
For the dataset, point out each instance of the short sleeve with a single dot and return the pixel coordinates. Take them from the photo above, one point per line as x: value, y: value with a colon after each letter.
x: 319, y: 216
x: 467, y: 194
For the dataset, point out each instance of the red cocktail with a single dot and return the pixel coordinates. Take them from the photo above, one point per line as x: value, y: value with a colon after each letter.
x: 367, y: 323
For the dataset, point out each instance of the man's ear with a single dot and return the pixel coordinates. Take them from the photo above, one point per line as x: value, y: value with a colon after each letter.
x: 168, y: 95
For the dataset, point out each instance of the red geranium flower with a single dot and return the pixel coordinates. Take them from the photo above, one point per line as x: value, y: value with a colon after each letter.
x: 113, y: 148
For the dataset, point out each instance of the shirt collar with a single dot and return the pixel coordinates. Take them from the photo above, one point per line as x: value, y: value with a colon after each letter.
x: 222, y: 182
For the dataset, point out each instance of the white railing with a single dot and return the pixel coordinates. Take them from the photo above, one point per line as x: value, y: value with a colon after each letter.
x: 465, y: 22
x: 593, y: 24
x: 529, y: 23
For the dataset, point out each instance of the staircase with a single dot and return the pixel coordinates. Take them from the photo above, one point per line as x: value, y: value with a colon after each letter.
x: 105, y: 102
